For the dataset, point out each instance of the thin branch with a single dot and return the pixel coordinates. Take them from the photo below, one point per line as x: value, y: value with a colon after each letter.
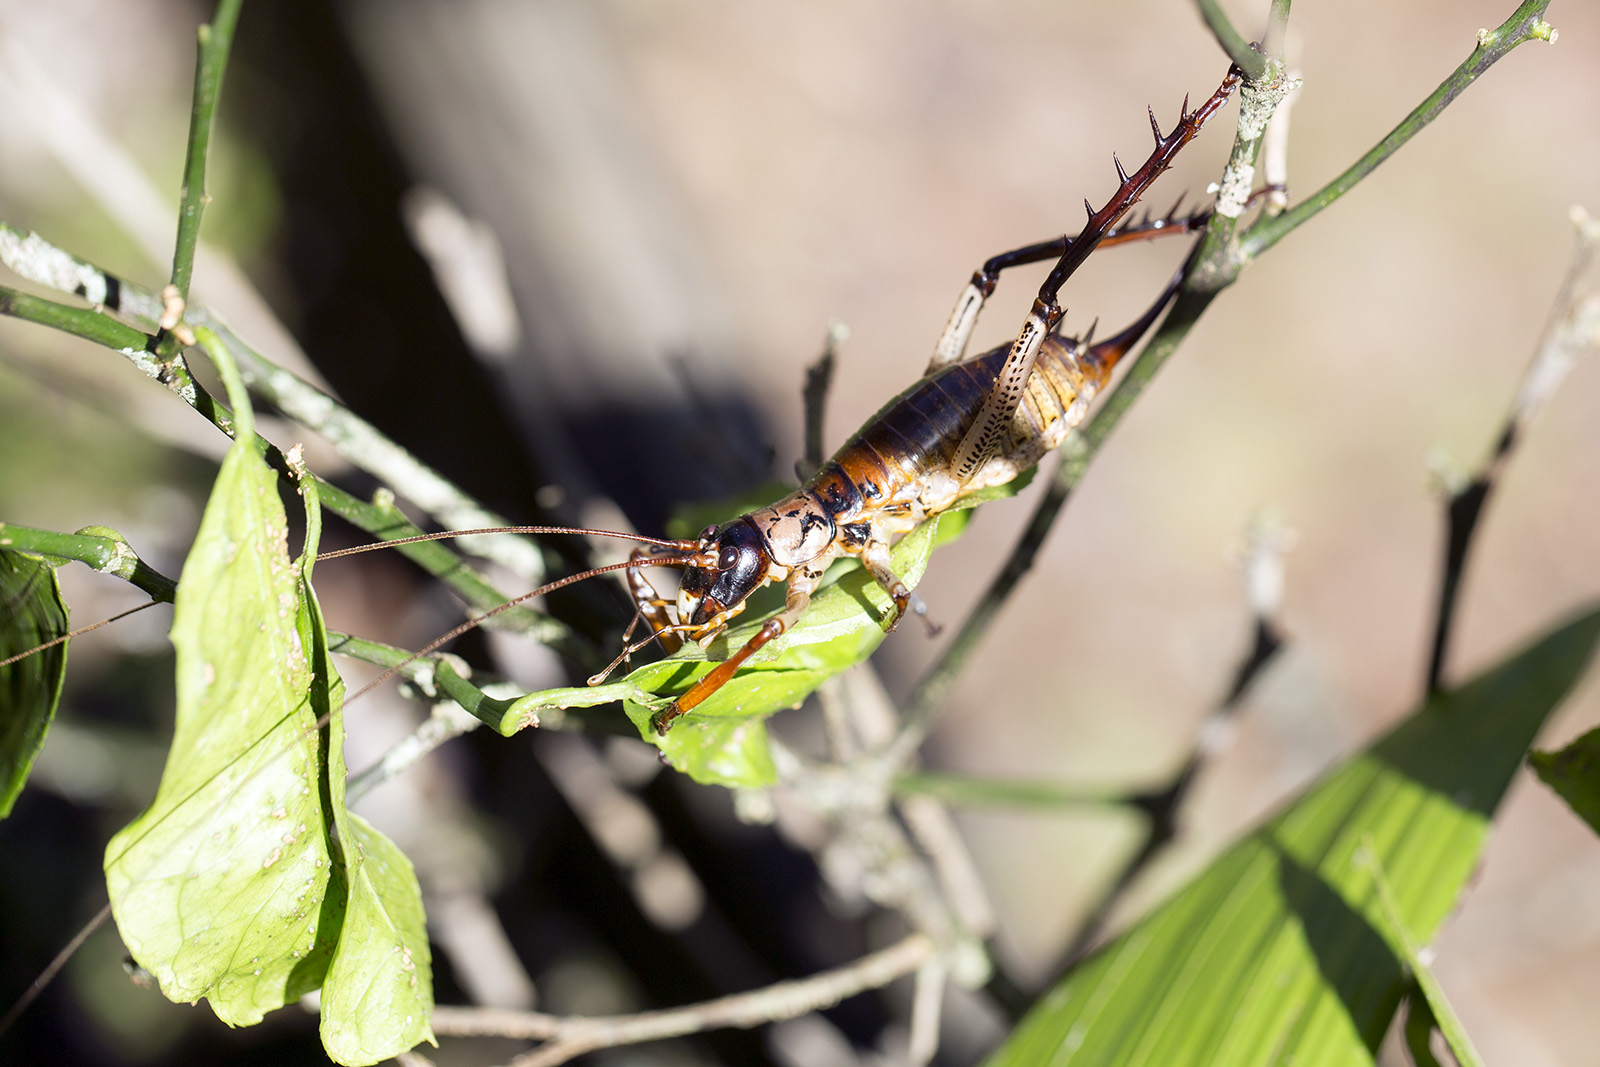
x: 1525, y: 24
x: 214, y: 41
x: 357, y: 440
x: 968, y: 791
x: 571, y: 1036
x: 1572, y: 326
x: 447, y: 721
x: 380, y: 518
x: 97, y: 546
x: 819, y: 377
x: 927, y: 1000
x: 1244, y: 56
x: 1277, y: 28
x: 80, y: 322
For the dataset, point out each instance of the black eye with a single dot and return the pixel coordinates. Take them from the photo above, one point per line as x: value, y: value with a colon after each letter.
x: 728, y: 558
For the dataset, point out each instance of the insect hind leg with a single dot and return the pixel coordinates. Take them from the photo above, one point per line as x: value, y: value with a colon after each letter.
x: 953, y: 341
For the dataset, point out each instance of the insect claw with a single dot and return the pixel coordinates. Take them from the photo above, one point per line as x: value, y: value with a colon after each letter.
x: 1122, y: 175
x: 1154, y: 125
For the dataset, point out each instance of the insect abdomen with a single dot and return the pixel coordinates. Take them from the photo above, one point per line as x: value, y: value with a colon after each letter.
x: 916, y: 434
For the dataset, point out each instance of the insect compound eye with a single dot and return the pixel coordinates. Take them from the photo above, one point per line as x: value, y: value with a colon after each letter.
x: 728, y: 559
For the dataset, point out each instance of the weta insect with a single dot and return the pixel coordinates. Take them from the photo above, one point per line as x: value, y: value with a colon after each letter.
x: 968, y: 424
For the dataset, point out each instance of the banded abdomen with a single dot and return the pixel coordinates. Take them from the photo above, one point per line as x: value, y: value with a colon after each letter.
x: 916, y: 434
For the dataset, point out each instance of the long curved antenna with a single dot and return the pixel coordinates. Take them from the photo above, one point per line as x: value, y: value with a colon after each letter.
x: 76, y: 633
x: 549, y: 587
x: 680, y: 546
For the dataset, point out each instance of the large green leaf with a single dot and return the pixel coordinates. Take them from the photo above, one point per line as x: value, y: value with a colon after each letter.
x: 221, y: 888
x: 31, y: 614
x: 1281, y: 951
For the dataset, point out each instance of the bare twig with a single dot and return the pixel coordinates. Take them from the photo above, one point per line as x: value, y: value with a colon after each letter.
x: 570, y: 1036
x: 357, y: 440
x: 1525, y: 24
x: 926, y: 1001
x: 819, y: 377
x: 446, y: 721
x: 1572, y: 327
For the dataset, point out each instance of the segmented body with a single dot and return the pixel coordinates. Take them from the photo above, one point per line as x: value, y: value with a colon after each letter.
x: 967, y: 425
x: 897, y: 471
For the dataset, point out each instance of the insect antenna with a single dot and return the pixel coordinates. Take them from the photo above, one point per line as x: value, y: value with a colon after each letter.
x: 548, y: 587
x: 9, y: 660
x: 681, y: 546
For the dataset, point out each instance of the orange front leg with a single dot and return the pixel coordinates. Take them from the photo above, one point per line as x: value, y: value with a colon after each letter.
x: 802, y: 581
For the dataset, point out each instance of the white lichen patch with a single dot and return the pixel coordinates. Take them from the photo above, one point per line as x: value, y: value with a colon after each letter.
x: 39, y: 261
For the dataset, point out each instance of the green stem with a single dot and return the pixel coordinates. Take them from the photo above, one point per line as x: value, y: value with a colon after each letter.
x: 354, y: 438
x: 211, y: 61
x: 80, y: 322
x: 1246, y: 58
x: 475, y: 701
x: 1525, y: 24
x: 100, y: 547
x: 380, y: 520
x: 968, y: 791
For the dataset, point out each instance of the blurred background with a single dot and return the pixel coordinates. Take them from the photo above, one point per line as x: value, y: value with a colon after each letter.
x: 684, y: 197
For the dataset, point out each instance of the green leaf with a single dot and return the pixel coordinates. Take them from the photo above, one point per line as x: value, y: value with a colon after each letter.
x: 1279, y: 952
x: 1574, y: 773
x: 222, y: 888
x: 1428, y: 1007
x: 31, y: 614
x: 378, y: 996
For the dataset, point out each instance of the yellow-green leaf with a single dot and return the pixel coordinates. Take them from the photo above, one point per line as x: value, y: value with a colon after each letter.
x: 220, y: 888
